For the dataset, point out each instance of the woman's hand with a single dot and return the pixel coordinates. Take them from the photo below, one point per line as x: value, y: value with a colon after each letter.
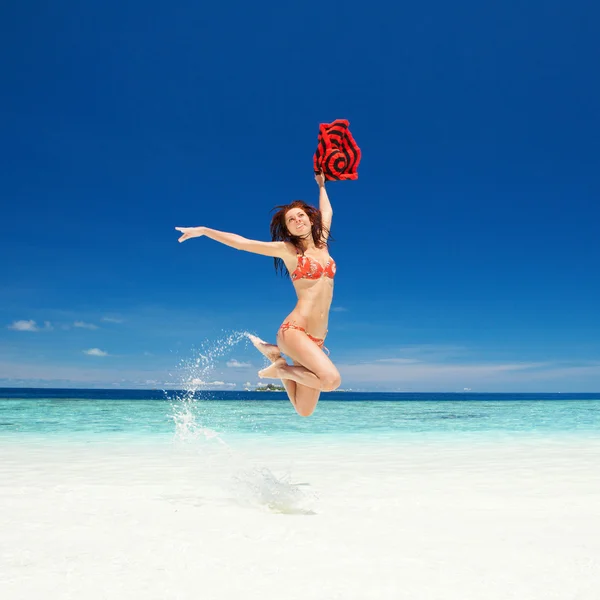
x: 190, y: 232
x: 320, y: 179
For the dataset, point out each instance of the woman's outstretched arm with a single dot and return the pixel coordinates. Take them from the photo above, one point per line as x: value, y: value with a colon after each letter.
x: 276, y: 249
x: 324, y: 204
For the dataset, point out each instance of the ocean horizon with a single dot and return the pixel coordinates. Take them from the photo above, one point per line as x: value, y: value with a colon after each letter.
x: 337, y: 395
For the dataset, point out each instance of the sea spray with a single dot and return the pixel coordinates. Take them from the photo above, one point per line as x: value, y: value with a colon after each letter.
x: 194, y: 374
x: 195, y: 427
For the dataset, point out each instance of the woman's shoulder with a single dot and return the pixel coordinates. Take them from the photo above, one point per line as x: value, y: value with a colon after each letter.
x: 290, y: 252
x: 290, y: 248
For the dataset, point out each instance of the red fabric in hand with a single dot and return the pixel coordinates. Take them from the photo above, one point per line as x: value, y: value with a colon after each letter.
x: 337, y: 154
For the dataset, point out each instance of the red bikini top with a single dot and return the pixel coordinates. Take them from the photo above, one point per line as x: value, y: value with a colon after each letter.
x: 309, y: 268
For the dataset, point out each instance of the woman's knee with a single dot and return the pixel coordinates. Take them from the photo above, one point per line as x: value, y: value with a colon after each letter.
x: 330, y: 381
x: 306, y: 400
x: 305, y: 410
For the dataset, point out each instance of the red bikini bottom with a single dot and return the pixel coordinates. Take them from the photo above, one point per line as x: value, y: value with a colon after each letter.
x: 318, y: 341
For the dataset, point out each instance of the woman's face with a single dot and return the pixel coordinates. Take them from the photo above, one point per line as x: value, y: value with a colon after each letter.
x: 297, y: 222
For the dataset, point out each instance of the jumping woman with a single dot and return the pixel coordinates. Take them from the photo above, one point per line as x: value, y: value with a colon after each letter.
x: 299, y: 232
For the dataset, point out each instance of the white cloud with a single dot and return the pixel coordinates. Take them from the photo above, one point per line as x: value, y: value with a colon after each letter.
x: 432, y: 352
x: 236, y: 364
x: 398, y: 361
x: 94, y: 373
x: 95, y: 352
x: 339, y: 309
x: 83, y: 325
x: 198, y: 381
x: 30, y: 325
x: 221, y: 384
x: 24, y: 326
x: 431, y: 376
x: 112, y: 320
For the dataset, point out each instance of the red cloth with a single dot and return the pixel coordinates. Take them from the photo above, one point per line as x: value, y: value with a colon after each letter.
x: 337, y: 154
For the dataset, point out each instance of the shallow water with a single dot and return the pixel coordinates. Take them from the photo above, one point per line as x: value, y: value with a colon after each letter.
x: 81, y: 417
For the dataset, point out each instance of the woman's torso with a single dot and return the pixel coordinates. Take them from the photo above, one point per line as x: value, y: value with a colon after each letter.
x: 312, y: 275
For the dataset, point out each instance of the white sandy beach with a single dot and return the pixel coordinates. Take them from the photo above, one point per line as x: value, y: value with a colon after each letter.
x: 428, y: 521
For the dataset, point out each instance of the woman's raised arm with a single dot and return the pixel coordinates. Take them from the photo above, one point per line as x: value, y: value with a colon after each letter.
x: 324, y: 204
x: 275, y: 249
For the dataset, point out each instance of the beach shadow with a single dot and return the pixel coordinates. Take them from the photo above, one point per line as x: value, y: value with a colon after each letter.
x: 261, y: 488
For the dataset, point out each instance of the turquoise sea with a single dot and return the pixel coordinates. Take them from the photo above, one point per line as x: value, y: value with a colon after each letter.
x: 81, y: 413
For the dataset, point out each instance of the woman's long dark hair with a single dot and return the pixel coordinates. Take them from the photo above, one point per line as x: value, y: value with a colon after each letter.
x: 280, y: 232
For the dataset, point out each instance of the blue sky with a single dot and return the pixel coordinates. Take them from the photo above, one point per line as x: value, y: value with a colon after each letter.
x: 467, y: 250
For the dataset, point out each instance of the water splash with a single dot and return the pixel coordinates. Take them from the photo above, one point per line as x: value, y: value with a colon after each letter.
x: 188, y: 427
x: 259, y: 487
x: 194, y: 373
x: 252, y: 486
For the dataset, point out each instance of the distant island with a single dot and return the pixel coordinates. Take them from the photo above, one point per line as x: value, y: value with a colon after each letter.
x: 270, y: 387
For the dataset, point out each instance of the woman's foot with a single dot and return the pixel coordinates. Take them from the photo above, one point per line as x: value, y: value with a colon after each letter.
x: 272, y: 372
x: 269, y: 350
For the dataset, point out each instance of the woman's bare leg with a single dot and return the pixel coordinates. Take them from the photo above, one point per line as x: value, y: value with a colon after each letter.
x: 312, y: 370
x: 273, y: 353
x: 301, y: 375
x: 303, y: 398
